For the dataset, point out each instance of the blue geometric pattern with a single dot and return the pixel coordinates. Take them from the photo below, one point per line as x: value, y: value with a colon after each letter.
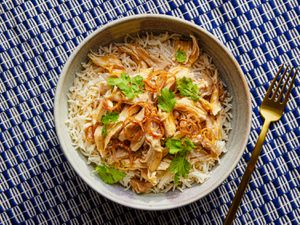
x: 38, y: 185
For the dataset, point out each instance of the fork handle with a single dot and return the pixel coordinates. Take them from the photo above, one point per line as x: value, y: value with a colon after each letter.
x: 246, y: 177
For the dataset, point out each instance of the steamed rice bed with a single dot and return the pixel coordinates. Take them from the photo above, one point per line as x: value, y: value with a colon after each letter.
x: 150, y: 113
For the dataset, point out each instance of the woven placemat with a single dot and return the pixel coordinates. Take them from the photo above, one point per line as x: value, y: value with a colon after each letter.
x: 38, y: 185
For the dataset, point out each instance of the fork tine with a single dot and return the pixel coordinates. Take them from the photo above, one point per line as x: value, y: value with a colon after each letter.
x: 273, y: 82
x: 286, y: 98
x: 280, y: 81
x: 284, y: 85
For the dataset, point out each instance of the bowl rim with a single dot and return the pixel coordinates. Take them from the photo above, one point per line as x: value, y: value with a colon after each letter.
x: 63, y: 75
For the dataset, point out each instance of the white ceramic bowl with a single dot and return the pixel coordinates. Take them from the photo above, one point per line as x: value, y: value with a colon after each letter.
x: 230, y: 72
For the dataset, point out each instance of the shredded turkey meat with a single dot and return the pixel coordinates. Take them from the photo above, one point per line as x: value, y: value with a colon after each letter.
x: 151, y: 113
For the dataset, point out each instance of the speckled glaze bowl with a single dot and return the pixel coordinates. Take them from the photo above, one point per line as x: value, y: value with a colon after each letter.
x: 231, y: 74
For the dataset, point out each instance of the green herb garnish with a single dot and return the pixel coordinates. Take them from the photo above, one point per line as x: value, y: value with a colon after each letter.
x: 104, y: 130
x: 187, y: 88
x: 188, y: 144
x: 180, y: 56
x: 108, y: 118
x: 131, y: 87
x: 179, y: 165
x: 110, y: 175
x: 176, y: 145
x: 166, y: 100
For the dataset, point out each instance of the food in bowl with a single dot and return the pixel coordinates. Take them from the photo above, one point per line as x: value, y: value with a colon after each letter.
x: 151, y: 113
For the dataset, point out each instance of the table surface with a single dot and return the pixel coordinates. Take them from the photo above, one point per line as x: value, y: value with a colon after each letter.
x: 38, y: 185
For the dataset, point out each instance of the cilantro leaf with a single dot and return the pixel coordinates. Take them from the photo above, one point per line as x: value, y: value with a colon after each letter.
x: 166, y: 101
x: 180, y: 56
x: 187, y: 88
x: 137, y: 84
x: 127, y: 90
x: 138, y: 81
x: 129, y: 86
x: 104, y: 130
x: 180, y: 167
x: 174, y: 145
x: 110, y: 175
x: 179, y: 146
x: 110, y: 117
x: 188, y: 144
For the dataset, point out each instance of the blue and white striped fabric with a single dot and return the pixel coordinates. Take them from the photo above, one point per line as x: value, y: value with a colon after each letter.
x: 38, y: 185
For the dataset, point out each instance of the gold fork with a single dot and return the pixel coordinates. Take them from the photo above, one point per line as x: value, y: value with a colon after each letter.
x: 271, y: 110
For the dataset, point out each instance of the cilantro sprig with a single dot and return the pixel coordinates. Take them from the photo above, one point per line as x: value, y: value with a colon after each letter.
x: 180, y: 56
x: 180, y: 166
x: 166, y: 100
x: 110, y: 175
x: 108, y: 118
x: 131, y: 87
x: 176, y: 145
x: 187, y: 88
